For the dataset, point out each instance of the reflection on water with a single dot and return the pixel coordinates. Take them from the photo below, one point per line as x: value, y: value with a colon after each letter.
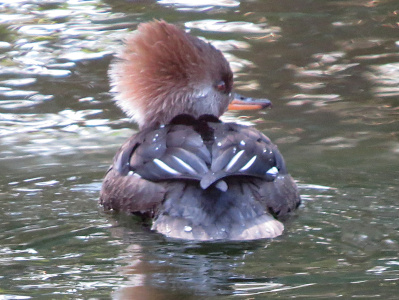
x: 331, y: 69
x: 222, y: 26
x: 201, y: 5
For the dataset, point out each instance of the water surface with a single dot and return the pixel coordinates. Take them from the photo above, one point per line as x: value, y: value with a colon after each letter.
x: 331, y: 69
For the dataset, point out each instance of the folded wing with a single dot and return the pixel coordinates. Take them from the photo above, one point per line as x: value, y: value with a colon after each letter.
x: 181, y: 152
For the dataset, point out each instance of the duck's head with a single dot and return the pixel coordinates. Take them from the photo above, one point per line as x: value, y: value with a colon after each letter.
x: 162, y: 72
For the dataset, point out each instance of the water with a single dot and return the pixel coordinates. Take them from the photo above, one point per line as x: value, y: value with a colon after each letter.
x: 331, y: 69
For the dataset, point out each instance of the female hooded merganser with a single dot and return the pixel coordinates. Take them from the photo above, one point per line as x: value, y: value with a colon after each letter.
x: 196, y: 177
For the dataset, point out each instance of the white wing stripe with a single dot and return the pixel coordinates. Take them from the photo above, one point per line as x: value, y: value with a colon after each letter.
x: 165, y: 167
x: 272, y: 171
x: 185, y: 165
x: 234, y: 160
x: 248, y: 164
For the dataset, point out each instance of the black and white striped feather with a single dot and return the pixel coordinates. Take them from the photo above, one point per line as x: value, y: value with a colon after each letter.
x: 206, y: 152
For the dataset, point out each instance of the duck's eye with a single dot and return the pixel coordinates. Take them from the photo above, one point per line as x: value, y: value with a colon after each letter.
x: 221, y: 86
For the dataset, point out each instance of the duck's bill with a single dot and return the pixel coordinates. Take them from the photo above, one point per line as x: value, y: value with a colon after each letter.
x: 246, y: 103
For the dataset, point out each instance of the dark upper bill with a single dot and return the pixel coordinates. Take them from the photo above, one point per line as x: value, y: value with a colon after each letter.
x: 240, y: 102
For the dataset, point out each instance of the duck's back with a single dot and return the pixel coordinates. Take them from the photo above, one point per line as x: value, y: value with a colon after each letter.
x: 202, y: 179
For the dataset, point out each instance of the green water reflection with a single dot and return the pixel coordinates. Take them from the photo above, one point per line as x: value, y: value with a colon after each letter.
x: 331, y: 69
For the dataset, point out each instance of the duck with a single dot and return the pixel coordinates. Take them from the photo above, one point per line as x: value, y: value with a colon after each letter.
x: 192, y: 175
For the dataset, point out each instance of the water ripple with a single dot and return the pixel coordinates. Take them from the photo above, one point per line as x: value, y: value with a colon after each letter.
x: 224, y: 26
x: 334, y: 65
